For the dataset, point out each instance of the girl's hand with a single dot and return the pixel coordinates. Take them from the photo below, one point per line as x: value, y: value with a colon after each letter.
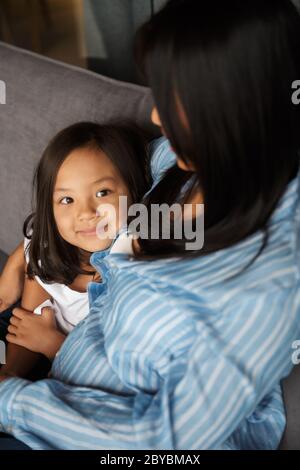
x: 38, y: 333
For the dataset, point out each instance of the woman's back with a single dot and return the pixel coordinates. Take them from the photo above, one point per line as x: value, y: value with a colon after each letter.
x: 154, y: 313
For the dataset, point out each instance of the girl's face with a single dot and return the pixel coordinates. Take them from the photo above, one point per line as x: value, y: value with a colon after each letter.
x: 86, y: 180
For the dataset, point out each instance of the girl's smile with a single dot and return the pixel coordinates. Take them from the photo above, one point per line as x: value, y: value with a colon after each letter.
x: 88, y: 232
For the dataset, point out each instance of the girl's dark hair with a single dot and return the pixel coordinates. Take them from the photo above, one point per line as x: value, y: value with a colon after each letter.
x: 230, y: 65
x: 51, y: 257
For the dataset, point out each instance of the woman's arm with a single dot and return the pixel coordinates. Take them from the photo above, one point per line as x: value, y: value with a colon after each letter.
x: 199, y: 405
x: 12, y: 278
x: 19, y: 360
x: 205, y: 396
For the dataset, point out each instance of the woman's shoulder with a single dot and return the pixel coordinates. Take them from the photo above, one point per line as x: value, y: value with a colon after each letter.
x: 162, y: 157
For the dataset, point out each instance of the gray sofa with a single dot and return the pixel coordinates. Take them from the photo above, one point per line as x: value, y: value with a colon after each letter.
x: 43, y: 96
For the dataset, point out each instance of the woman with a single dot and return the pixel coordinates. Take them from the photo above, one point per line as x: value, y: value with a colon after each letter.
x: 185, y: 349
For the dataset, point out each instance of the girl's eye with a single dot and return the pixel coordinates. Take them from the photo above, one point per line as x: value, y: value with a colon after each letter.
x: 102, y: 193
x: 66, y: 200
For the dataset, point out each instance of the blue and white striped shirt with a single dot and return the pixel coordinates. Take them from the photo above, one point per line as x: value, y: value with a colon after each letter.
x: 173, y: 354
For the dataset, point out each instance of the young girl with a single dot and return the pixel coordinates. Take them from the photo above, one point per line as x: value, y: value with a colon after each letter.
x: 85, y: 166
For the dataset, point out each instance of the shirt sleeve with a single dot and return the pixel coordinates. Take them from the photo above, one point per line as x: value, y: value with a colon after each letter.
x: 199, y: 405
x: 161, y: 157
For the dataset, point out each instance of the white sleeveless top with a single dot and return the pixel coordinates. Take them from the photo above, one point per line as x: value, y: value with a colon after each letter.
x: 70, y: 306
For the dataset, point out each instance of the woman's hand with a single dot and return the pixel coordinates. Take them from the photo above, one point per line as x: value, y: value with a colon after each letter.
x: 38, y: 333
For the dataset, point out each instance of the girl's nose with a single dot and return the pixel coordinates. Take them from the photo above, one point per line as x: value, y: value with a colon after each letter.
x: 87, y: 211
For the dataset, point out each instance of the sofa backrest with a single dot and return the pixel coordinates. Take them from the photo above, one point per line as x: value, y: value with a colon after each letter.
x: 42, y: 97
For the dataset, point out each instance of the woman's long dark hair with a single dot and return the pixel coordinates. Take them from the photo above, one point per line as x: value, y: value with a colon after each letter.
x: 51, y: 257
x: 230, y: 65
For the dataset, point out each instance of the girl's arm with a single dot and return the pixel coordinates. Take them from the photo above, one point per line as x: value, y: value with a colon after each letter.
x: 20, y: 360
x: 12, y: 278
x: 33, y: 294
